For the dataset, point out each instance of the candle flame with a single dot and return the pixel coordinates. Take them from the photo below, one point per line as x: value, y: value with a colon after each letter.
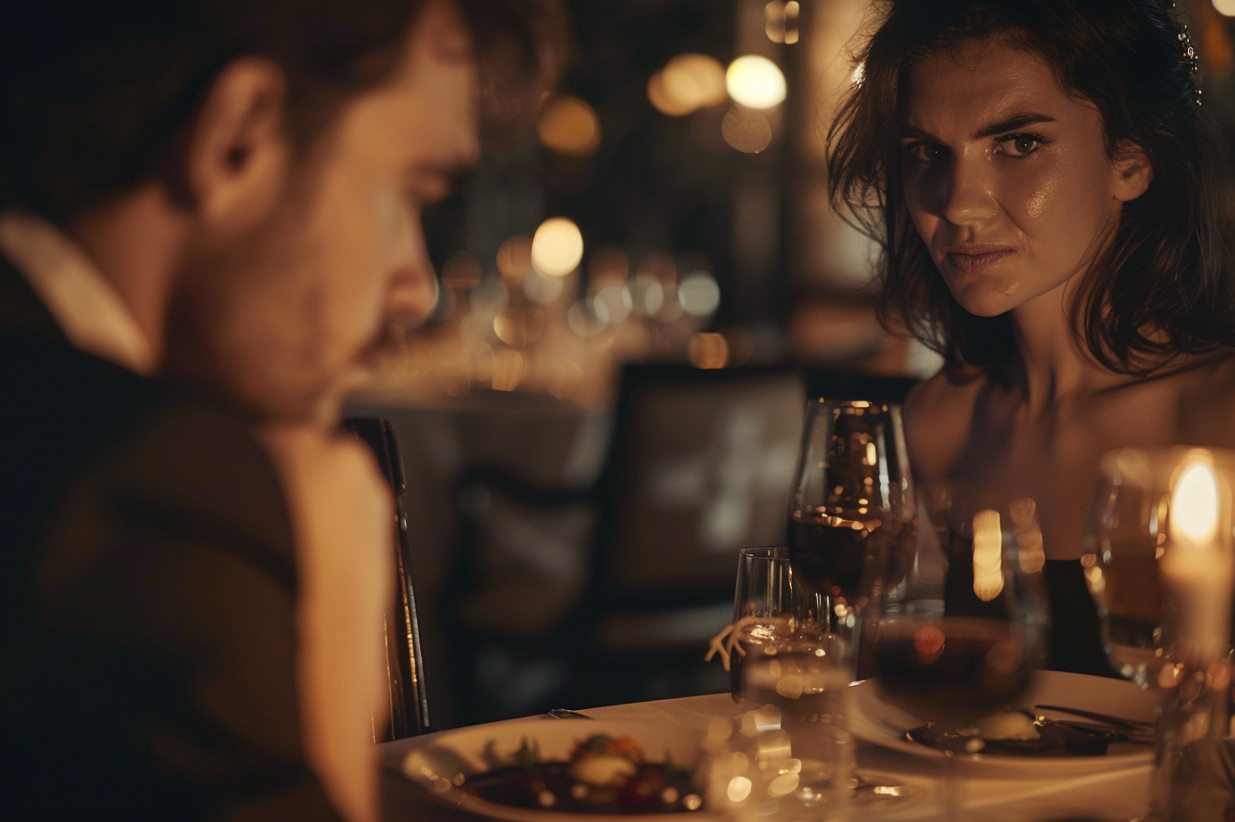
x: 1194, y: 504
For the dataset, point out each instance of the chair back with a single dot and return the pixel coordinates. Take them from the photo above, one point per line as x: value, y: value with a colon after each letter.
x: 701, y: 465
x: 409, y: 708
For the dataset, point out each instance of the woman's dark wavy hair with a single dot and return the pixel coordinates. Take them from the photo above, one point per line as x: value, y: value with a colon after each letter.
x: 1164, y: 284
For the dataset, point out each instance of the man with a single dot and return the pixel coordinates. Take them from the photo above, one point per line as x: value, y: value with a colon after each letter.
x: 226, y: 195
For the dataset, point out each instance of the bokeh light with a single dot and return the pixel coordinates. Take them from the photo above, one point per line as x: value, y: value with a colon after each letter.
x: 694, y: 80
x: 461, y: 272
x: 1226, y: 7
x: 543, y: 289
x: 569, y: 126
x: 747, y: 131
x: 647, y: 295
x: 782, y: 21
x: 616, y: 299
x: 557, y: 247
x: 686, y: 84
x: 663, y: 101
x: 699, y: 294
x: 708, y: 351
x: 755, y: 82
x: 514, y: 257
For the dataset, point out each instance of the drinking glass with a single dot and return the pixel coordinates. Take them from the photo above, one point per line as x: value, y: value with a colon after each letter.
x: 957, y: 619
x: 1158, y: 562
x: 767, y: 607
x: 788, y: 753
x: 852, y: 484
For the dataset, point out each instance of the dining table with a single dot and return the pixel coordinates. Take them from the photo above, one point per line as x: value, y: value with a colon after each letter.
x: 1111, y: 795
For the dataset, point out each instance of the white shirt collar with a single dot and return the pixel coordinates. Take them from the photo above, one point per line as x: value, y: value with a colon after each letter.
x: 87, y: 307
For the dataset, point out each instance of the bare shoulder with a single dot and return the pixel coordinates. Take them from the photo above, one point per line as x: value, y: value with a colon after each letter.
x: 939, y: 415
x: 1206, y: 397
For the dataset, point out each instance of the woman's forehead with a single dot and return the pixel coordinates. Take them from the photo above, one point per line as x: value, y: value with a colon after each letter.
x: 980, y: 78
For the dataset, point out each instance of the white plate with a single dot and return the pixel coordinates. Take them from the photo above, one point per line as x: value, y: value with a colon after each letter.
x: 485, y: 747
x: 873, y: 720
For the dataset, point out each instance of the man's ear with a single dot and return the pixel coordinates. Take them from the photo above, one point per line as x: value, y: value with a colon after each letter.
x: 1133, y: 172
x: 238, y: 154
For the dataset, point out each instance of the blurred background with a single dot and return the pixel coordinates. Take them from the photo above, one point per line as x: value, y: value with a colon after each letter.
x: 639, y: 291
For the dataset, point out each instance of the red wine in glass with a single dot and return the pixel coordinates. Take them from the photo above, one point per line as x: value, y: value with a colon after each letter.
x: 955, y: 668
x: 852, y: 480
x: 828, y: 552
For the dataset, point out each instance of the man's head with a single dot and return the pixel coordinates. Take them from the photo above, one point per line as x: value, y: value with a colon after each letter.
x: 292, y: 144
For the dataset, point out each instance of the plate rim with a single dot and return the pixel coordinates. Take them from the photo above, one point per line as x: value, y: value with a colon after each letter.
x: 888, y: 741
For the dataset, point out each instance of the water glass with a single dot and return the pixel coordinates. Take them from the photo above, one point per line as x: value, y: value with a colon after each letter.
x: 765, y: 606
x: 788, y: 755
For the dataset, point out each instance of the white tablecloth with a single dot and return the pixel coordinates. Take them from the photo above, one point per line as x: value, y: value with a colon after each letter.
x: 1112, y: 796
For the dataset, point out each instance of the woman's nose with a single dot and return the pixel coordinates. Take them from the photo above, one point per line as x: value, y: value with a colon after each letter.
x: 969, y: 196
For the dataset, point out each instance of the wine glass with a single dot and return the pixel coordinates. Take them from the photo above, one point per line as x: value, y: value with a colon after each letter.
x: 1158, y: 562
x: 957, y: 619
x: 852, y: 483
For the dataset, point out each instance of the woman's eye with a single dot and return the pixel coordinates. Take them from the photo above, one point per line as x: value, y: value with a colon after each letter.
x: 1019, y: 145
x: 922, y: 152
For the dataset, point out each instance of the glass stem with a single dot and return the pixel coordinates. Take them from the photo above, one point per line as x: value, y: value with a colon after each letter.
x: 950, y: 797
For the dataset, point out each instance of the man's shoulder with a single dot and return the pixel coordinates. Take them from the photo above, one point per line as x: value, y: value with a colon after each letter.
x: 58, y: 408
x: 187, y: 470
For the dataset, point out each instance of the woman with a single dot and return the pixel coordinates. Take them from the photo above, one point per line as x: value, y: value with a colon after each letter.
x: 1049, y: 207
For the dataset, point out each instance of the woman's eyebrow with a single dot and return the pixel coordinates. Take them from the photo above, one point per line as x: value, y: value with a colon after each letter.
x: 1012, y: 124
x: 908, y: 132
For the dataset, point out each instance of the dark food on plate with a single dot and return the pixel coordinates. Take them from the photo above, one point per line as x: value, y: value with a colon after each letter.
x: 1047, y: 739
x: 604, y: 775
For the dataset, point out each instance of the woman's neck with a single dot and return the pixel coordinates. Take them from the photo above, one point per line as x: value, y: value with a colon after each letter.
x: 1054, y: 362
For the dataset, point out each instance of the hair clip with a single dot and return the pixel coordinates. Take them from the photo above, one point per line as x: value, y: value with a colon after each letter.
x: 1191, y: 59
x: 1188, y: 50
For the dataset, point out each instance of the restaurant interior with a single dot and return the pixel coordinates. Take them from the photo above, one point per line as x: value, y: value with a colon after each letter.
x: 639, y: 290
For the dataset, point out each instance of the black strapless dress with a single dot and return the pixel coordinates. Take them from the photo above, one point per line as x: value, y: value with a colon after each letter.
x: 1075, y: 636
x: 1076, y: 640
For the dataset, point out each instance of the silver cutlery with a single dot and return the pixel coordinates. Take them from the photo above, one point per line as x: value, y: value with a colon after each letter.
x: 1118, y: 722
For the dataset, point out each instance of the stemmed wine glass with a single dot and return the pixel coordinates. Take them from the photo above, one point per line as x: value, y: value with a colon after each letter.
x: 853, y: 482
x: 957, y: 619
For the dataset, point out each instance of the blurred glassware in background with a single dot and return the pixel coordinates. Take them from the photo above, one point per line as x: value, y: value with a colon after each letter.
x: 1160, y: 564
x: 528, y: 326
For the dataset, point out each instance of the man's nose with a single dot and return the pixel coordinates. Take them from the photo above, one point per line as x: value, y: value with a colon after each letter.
x: 413, y: 290
x: 968, y: 197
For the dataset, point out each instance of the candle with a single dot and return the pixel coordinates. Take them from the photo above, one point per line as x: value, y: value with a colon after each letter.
x: 1197, y: 567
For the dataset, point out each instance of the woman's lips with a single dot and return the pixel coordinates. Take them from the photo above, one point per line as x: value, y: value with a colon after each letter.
x: 974, y: 260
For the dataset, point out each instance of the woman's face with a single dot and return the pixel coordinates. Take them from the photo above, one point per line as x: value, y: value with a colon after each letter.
x: 1007, y: 177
